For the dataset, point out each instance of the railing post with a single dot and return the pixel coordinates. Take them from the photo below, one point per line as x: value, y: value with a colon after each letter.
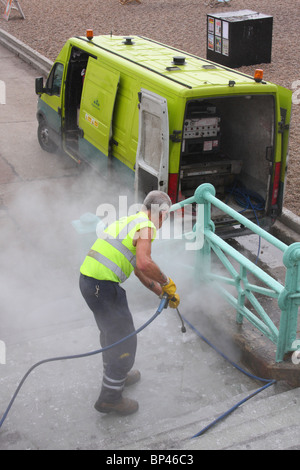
x: 289, y: 301
x: 241, y: 293
x: 203, y: 225
x: 288, y: 296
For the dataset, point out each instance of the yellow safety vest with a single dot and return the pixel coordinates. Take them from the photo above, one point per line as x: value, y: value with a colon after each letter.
x: 112, y: 257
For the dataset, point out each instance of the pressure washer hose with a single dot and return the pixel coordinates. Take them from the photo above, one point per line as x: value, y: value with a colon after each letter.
x: 268, y: 382
x: 163, y: 304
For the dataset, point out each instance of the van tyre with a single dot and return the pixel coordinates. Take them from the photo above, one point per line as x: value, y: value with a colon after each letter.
x: 43, y: 137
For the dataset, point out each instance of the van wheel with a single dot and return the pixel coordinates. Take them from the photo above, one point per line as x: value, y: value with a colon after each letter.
x: 43, y: 136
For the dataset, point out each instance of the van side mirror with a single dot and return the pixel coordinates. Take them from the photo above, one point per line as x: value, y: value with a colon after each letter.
x: 39, y: 86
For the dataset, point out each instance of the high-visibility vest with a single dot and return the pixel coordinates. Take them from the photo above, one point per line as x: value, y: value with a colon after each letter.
x: 112, y: 256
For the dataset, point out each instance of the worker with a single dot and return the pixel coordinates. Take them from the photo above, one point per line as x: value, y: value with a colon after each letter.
x: 122, y: 248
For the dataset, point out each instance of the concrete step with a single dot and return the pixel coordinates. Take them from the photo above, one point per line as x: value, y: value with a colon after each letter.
x: 268, y: 421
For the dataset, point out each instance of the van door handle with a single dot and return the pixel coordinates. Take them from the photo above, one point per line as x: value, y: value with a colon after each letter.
x: 175, y: 137
x: 269, y: 154
x: 59, y: 111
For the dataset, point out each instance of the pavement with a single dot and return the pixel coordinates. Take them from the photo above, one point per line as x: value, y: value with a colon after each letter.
x: 185, y: 383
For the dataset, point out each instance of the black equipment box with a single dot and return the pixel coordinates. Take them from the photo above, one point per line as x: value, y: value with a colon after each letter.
x: 239, y: 38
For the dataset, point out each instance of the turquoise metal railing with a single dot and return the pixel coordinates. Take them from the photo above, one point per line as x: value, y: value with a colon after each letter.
x: 288, y: 295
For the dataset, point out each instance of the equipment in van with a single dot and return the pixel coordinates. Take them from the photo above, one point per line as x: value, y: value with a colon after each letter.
x: 150, y: 116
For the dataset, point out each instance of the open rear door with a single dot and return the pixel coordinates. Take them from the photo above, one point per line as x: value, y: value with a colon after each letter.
x: 285, y: 100
x: 97, y: 104
x: 152, y: 158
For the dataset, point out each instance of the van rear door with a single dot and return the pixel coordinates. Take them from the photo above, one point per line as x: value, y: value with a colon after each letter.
x: 97, y: 104
x: 285, y: 102
x: 152, y: 158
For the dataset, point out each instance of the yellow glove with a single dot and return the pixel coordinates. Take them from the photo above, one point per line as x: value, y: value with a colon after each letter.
x: 169, y: 288
x: 174, y: 301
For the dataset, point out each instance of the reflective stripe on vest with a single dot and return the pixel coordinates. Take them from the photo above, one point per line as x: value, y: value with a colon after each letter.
x: 128, y: 227
x: 108, y: 263
x: 114, y: 250
x: 116, y: 243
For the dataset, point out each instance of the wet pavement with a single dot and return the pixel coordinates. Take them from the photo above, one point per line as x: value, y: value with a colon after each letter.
x: 185, y: 384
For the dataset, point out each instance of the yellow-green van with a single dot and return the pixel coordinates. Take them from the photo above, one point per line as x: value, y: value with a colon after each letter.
x: 165, y: 119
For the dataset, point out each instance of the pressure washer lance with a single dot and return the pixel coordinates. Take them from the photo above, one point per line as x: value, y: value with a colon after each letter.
x: 183, y: 328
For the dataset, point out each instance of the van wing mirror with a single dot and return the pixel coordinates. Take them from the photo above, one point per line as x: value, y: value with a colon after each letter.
x: 39, y: 85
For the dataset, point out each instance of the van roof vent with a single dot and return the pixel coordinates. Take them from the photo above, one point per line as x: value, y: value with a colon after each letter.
x: 128, y: 41
x: 209, y: 66
x: 178, y: 60
x: 170, y: 69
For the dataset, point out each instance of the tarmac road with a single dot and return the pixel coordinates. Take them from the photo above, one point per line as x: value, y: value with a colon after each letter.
x: 184, y: 382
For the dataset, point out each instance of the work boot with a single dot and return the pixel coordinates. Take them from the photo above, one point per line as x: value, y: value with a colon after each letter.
x: 132, y: 377
x: 125, y: 406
